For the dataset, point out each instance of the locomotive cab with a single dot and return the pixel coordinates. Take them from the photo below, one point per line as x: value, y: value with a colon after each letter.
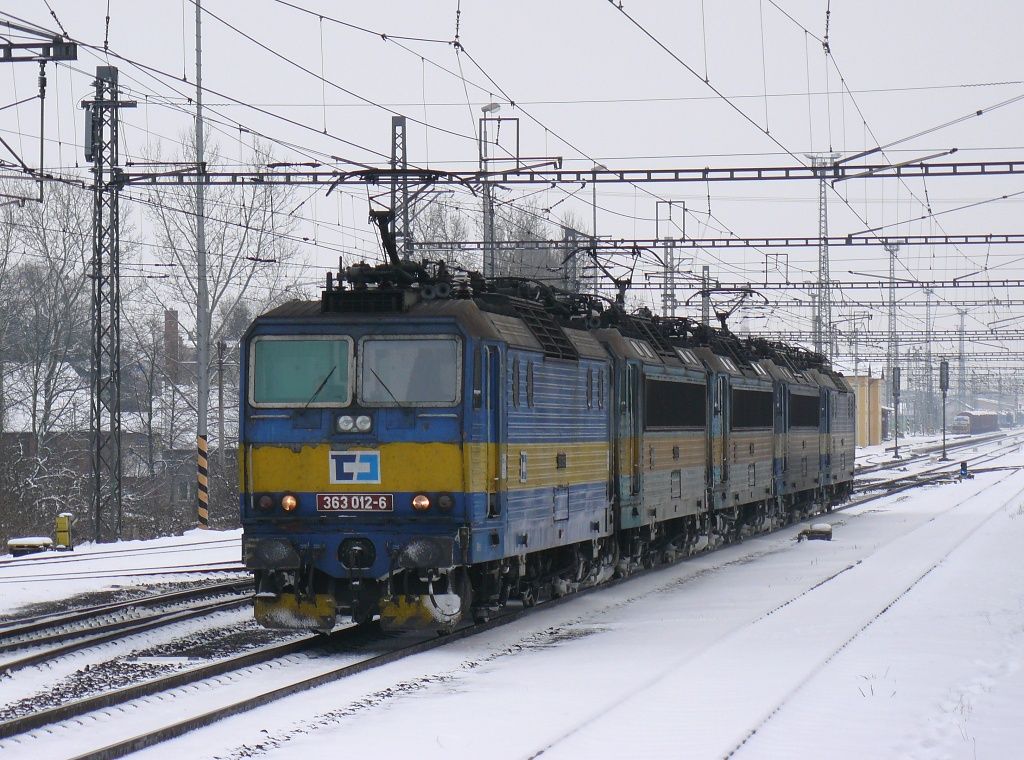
x: 353, y: 432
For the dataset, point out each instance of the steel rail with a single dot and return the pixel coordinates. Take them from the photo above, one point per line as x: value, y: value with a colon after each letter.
x: 211, y: 567
x: 111, y: 632
x: 79, y: 707
x: 71, y: 556
x: 29, y: 625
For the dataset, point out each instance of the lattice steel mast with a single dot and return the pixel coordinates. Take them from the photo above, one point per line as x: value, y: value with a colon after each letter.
x: 929, y: 380
x: 961, y: 374
x: 105, y: 421
x: 705, y: 295
x: 400, y: 187
x: 571, y: 261
x: 823, y: 315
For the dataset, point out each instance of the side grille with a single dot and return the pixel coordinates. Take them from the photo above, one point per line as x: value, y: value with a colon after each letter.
x: 553, y: 340
x: 654, y: 336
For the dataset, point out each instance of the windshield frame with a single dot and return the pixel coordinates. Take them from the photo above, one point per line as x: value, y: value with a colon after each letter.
x: 361, y: 368
x: 251, y: 380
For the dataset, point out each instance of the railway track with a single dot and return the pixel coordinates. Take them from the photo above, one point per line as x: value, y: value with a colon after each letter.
x: 859, y: 625
x: 49, y: 558
x: 13, y: 628
x: 924, y: 453
x: 776, y: 664
x: 57, y: 635
x: 78, y: 708
x: 135, y: 572
x: 941, y: 470
x: 236, y: 669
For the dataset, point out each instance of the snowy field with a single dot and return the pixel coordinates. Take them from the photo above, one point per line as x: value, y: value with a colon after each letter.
x: 902, y: 637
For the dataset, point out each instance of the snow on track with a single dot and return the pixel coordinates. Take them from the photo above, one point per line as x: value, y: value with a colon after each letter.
x: 735, y: 687
x: 768, y: 648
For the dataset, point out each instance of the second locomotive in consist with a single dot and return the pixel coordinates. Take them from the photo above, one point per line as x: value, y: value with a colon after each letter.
x: 426, y: 448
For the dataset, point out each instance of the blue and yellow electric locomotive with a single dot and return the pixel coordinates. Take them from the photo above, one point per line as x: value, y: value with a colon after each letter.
x: 424, y: 449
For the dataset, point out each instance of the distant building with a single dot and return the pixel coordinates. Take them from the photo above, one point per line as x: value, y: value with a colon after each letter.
x: 868, y: 391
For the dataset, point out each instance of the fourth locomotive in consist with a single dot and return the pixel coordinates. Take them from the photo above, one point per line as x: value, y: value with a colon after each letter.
x: 424, y: 447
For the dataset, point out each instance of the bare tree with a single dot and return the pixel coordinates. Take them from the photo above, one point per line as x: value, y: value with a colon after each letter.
x: 48, y: 334
x: 44, y: 323
x: 8, y: 241
x: 576, y: 263
x: 441, y: 222
x: 142, y: 361
x: 525, y: 221
x: 251, y: 254
x: 252, y: 260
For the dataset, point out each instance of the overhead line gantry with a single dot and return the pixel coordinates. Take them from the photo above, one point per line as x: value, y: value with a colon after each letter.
x: 543, y: 174
x: 629, y: 244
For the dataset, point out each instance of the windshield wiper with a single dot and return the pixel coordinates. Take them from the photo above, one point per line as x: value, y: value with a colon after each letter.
x: 384, y: 385
x: 320, y: 387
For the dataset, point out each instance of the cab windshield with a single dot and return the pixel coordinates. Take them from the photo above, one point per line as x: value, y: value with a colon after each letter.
x: 306, y: 371
x: 409, y: 371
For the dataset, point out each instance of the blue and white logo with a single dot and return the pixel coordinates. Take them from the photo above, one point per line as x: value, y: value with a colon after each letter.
x: 355, y: 467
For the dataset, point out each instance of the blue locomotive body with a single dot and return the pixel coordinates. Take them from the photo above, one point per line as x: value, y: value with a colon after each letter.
x: 427, y: 458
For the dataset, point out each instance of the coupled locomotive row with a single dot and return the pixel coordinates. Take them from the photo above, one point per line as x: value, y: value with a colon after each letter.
x: 426, y: 447
x: 971, y: 423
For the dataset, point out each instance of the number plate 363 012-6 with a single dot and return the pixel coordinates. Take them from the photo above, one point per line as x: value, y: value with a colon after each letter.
x: 355, y: 502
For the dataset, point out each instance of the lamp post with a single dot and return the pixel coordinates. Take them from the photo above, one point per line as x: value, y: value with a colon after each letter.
x: 488, y: 193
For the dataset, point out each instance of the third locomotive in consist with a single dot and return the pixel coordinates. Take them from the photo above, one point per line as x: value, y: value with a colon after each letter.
x: 425, y: 447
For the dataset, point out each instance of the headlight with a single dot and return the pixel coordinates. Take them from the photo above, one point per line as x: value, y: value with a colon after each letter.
x: 421, y: 502
x: 345, y: 423
x: 363, y: 423
x: 289, y: 502
x: 265, y: 503
x: 445, y: 501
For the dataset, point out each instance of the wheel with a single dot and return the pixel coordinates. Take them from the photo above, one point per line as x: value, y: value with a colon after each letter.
x: 528, y: 597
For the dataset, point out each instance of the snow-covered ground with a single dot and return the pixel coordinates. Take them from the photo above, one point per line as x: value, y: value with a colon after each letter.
x: 124, y: 565
x: 902, y: 637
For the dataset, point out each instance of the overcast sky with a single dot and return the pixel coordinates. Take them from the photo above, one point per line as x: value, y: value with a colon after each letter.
x: 589, y: 85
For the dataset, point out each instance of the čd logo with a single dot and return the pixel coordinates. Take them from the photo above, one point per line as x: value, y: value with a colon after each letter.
x: 355, y: 467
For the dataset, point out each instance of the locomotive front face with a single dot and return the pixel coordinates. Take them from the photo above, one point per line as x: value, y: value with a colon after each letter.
x: 351, y: 437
